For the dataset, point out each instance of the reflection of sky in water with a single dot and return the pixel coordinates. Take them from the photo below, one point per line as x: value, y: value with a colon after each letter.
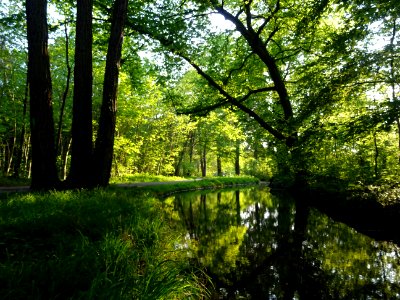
x: 254, y: 244
x: 249, y: 211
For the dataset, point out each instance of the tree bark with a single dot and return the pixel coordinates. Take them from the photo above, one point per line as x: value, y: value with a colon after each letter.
x: 82, y: 143
x: 103, y: 154
x: 44, y: 170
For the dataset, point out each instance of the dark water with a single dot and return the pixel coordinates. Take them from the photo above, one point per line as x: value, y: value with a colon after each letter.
x: 255, y: 245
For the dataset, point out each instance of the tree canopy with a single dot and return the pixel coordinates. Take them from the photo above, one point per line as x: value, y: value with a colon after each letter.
x: 269, y: 87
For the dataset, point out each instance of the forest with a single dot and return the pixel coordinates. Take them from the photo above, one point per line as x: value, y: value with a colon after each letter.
x: 197, y: 88
x: 293, y: 105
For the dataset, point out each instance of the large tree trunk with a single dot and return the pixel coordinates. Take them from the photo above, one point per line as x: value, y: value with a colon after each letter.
x: 105, y: 135
x: 44, y: 170
x: 82, y: 143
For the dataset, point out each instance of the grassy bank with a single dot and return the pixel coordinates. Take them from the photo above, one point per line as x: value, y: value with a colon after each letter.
x: 195, y: 184
x: 102, y: 244
x: 143, y: 178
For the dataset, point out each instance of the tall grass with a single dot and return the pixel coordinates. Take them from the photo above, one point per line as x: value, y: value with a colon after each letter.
x: 102, y: 244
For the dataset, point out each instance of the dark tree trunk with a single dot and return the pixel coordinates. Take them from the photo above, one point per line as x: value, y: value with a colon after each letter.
x: 82, y: 143
x: 219, y: 165
x: 237, y: 158
x: 105, y: 135
x: 44, y: 170
x: 203, y: 161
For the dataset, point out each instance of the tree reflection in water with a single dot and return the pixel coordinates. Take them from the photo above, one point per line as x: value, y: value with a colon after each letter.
x: 255, y: 245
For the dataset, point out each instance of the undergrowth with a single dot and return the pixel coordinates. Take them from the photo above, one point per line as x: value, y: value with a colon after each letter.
x: 102, y: 244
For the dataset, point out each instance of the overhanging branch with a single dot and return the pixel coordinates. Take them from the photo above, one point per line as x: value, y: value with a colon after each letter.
x: 229, y: 98
x: 235, y: 102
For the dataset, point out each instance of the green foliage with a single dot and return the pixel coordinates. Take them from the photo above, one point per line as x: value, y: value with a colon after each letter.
x: 338, y: 62
x: 91, y: 245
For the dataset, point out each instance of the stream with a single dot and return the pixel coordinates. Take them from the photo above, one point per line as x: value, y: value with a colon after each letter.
x: 256, y: 245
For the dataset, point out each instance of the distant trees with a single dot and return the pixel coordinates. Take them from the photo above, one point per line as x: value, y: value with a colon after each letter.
x: 287, y: 65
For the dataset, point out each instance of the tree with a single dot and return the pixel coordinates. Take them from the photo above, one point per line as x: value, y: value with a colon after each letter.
x: 82, y: 145
x: 44, y: 171
x: 103, y: 154
x: 283, y: 63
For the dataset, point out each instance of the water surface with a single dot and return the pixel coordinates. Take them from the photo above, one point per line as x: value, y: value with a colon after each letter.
x: 255, y: 245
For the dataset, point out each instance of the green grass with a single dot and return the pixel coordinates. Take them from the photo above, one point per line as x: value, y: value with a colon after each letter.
x: 203, y: 183
x: 143, y: 178
x: 102, y: 244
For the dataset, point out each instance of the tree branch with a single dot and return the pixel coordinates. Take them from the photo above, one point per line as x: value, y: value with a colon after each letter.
x: 277, y: 134
x: 256, y: 44
x: 229, y: 98
x: 267, y: 20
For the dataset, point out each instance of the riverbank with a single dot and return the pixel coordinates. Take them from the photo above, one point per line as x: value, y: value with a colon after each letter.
x: 112, y: 243
x: 371, y: 210
x: 102, y: 244
x: 167, y: 188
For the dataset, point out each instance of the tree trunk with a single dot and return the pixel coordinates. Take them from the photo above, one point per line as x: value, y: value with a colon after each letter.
x: 393, y: 80
x: 65, y: 148
x: 10, y: 153
x: 178, y: 163
x: 44, y: 170
x: 105, y: 135
x: 219, y: 165
x: 376, y: 156
x: 82, y: 144
x: 237, y: 158
x: 203, y: 161
x: 27, y: 155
